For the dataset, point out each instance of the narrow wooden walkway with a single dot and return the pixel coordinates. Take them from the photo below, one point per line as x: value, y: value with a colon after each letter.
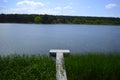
x: 60, y: 67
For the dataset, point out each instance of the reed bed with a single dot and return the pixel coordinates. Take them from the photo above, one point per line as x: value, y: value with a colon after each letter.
x: 93, y: 67
x: 16, y: 67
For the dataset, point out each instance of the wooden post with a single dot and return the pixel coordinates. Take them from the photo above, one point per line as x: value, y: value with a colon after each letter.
x: 60, y: 67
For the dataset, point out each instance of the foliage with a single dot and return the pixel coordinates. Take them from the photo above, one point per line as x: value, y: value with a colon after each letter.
x: 76, y: 21
x: 78, y: 67
x: 23, y: 67
x: 37, y: 19
x: 53, y: 19
x: 93, y: 67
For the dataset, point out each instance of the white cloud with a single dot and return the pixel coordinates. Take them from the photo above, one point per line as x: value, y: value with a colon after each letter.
x: 27, y: 7
x: 36, y: 7
x: 20, y: 10
x: 27, y: 3
x: 111, y: 5
x: 33, y: 11
x: 57, y: 8
x: 68, y: 7
x: 2, y: 7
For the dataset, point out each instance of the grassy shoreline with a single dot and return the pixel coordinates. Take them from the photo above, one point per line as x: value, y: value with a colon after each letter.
x: 93, y: 67
x: 25, y: 67
x: 78, y: 67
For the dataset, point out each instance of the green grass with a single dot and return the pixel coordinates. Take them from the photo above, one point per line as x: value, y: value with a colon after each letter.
x: 93, y: 67
x: 16, y: 67
x: 78, y: 67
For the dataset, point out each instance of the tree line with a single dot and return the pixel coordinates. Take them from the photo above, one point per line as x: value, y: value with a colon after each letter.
x: 55, y: 19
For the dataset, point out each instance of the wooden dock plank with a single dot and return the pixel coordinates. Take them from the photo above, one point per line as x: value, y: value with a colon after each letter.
x: 60, y: 67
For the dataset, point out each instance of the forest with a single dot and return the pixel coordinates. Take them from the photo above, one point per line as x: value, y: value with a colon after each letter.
x: 57, y: 19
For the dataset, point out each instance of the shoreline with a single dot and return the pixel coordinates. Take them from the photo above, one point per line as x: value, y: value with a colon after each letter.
x: 84, y: 67
x: 66, y: 24
x: 58, y: 19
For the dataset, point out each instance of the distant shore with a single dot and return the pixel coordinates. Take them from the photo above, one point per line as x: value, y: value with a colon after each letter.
x: 53, y: 19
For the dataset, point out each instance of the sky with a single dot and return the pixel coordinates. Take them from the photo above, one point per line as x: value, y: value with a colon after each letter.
x: 100, y: 8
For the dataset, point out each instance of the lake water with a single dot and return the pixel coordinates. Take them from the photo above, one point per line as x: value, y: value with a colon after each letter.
x: 40, y: 38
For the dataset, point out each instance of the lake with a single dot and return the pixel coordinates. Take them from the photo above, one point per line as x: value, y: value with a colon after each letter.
x: 40, y: 38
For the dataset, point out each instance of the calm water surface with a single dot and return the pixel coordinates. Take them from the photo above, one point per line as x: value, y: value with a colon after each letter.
x: 39, y: 38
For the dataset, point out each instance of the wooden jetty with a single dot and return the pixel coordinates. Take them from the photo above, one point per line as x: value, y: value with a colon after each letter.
x: 60, y: 67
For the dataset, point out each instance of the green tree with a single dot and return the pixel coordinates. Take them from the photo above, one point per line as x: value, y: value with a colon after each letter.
x: 76, y: 20
x: 37, y: 19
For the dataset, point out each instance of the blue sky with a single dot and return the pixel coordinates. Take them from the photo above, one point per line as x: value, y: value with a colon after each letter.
x: 105, y: 8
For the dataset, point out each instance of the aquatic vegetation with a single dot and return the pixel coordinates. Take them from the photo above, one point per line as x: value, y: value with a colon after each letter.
x: 24, y: 67
x: 93, y: 67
